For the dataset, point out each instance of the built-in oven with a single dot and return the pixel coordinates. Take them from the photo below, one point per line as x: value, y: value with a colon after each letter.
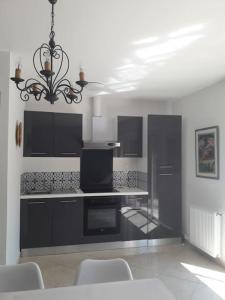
x: 102, y: 215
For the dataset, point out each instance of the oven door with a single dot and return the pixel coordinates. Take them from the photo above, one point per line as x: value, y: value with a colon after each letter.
x: 102, y: 215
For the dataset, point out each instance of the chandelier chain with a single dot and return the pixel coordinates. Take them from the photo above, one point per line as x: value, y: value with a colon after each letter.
x: 52, y: 33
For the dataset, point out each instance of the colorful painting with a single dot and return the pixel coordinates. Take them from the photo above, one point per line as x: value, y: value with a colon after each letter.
x: 207, y: 152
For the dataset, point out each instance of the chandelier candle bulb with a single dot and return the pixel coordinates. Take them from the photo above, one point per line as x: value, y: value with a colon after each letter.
x: 47, y: 65
x: 82, y: 74
x: 34, y: 87
x: 18, y: 72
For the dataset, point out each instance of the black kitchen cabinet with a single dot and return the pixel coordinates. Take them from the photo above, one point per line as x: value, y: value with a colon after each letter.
x: 51, y: 222
x: 67, y: 221
x: 35, y: 223
x: 135, y: 218
x: 52, y: 134
x: 164, y: 174
x: 67, y: 134
x: 130, y: 136
x: 38, y: 133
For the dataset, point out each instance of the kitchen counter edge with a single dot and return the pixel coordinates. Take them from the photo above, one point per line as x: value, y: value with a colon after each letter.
x: 79, y: 193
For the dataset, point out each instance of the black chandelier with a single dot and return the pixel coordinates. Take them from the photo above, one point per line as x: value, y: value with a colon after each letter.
x: 52, y: 82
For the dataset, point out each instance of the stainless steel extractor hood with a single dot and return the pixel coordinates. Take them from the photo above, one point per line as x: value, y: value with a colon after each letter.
x: 103, y: 129
x: 100, y: 145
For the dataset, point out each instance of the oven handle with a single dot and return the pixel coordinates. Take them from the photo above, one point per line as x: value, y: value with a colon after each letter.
x: 129, y: 209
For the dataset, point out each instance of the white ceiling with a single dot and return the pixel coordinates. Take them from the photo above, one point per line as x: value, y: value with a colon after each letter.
x: 161, y: 49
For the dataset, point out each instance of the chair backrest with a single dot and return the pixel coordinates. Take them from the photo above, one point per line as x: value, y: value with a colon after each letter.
x: 99, y: 271
x: 20, y: 277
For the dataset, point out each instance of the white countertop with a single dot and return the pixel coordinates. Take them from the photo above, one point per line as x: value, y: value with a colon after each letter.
x: 145, y: 289
x: 122, y: 191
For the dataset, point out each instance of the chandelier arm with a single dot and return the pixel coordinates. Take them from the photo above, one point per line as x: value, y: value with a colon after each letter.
x: 43, y: 46
x: 24, y: 97
x: 27, y: 87
x: 68, y: 101
x: 39, y: 95
x: 64, y: 80
x: 64, y: 86
x: 55, y: 82
x: 61, y: 63
x: 78, y: 101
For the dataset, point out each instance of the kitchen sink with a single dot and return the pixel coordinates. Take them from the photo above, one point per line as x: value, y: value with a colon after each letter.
x: 35, y: 192
x: 44, y: 192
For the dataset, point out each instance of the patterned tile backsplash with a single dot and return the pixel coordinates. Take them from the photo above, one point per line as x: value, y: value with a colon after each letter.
x: 60, y: 181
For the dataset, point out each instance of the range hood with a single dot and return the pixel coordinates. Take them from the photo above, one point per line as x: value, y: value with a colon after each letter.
x: 102, y: 129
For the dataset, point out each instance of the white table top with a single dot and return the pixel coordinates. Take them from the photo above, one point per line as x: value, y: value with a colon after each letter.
x: 145, y: 289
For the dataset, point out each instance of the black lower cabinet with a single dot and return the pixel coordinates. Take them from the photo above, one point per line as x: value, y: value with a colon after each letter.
x: 67, y: 222
x: 51, y: 222
x: 134, y: 218
x: 36, y: 229
x: 74, y: 221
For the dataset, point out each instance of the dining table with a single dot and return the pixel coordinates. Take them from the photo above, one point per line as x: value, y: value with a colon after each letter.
x: 141, y: 289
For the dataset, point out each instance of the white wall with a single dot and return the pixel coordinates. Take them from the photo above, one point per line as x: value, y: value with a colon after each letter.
x: 111, y: 107
x: 203, y: 109
x: 4, y: 113
x: 11, y: 110
x: 15, y: 155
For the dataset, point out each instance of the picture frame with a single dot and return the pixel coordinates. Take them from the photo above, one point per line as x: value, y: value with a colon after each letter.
x: 207, y: 152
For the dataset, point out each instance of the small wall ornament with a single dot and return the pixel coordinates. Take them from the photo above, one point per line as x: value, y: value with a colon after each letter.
x: 18, y: 133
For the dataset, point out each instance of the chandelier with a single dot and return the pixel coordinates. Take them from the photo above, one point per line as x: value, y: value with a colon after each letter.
x: 51, y: 63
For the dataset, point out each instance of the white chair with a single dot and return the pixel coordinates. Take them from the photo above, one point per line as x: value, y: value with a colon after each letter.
x: 20, y: 277
x: 99, y: 271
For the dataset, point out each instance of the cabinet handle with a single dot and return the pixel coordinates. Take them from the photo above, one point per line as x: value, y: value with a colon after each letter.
x: 40, y: 153
x: 36, y: 202
x: 68, y: 201
x: 166, y: 167
x: 68, y: 153
x: 166, y: 174
x: 131, y: 154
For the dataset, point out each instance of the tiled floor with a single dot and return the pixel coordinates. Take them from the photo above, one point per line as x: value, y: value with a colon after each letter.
x: 185, y: 271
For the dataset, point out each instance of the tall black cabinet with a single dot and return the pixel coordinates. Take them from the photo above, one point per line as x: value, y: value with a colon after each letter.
x: 164, y: 174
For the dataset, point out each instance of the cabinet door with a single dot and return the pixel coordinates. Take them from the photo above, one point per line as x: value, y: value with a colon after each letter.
x: 38, y: 133
x: 35, y: 223
x: 67, y: 221
x: 165, y: 174
x: 67, y: 134
x: 130, y: 136
x: 134, y: 218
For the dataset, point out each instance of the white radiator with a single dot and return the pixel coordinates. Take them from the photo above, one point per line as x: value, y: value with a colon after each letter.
x: 223, y: 237
x: 205, y: 230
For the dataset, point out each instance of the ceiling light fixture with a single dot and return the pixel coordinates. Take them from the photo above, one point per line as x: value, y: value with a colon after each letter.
x: 52, y: 82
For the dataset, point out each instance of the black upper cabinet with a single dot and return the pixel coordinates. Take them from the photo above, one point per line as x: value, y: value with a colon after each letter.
x: 38, y: 133
x: 52, y: 134
x: 130, y: 136
x: 68, y: 134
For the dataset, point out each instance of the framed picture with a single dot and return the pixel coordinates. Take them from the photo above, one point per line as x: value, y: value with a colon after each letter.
x: 207, y: 152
